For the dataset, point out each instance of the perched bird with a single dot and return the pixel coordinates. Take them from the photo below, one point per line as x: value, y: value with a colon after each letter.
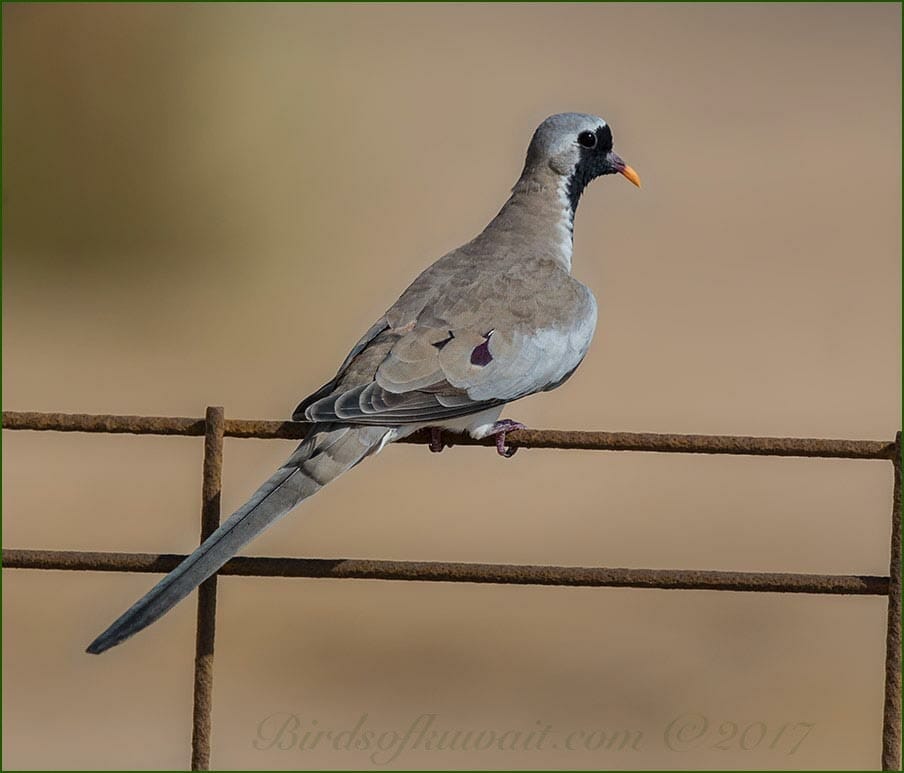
x: 495, y: 320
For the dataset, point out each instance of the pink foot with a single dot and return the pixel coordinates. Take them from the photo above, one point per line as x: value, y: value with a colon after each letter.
x: 436, y: 440
x: 500, y: 428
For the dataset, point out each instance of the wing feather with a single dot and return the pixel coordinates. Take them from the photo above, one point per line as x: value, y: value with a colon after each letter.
x: 453, y: 346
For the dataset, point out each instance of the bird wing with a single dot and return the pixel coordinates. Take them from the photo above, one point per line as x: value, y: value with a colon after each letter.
x: 454, y: 345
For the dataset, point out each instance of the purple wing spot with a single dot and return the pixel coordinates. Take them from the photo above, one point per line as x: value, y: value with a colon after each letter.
x: 481, y: 355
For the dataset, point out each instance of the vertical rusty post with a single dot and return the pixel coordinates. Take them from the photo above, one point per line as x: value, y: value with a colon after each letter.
x: 215, y: 425
x: 891, y: 724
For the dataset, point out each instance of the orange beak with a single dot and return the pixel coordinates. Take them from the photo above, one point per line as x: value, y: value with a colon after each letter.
x: 617, y: 164
x: 630, y: 174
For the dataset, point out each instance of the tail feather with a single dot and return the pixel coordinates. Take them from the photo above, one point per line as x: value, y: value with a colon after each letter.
x: 323, y: 455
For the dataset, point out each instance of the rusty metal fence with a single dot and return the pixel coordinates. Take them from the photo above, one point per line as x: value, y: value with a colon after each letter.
x: 214, y: 427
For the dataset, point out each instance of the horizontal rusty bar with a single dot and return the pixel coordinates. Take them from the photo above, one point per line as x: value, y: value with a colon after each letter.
x: 506, y: 574
x: 84, y: 422
x: 590, y: 441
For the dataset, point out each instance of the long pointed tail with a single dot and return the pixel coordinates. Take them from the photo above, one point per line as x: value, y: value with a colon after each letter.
x: 323, y: 455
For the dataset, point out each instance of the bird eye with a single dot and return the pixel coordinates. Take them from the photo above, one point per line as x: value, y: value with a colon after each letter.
x: 587, y: 139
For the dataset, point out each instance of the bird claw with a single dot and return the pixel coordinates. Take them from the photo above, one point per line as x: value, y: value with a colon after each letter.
x: 436, y: 440
x: 500, y: 429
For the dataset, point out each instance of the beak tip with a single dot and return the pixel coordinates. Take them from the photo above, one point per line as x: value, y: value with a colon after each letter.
x: 631, y: 175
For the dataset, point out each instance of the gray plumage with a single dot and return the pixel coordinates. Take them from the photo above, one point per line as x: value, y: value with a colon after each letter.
x: 495, y: 320
x: 323, y: 455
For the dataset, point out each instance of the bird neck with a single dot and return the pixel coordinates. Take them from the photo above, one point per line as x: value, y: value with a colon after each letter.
x: 537, y: 220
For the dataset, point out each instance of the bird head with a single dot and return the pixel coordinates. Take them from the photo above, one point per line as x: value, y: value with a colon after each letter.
x: 578, y: 148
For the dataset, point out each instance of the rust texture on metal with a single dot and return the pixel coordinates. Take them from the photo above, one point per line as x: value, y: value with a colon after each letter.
x: 211, y: 487
x: 215, y: 427
x: 432, y: 571
x: 891, y: 723
x: 84, y: 422
x: 531, y: 438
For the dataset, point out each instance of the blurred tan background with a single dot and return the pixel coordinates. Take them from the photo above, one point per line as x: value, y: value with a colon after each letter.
x: 208, y: 204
